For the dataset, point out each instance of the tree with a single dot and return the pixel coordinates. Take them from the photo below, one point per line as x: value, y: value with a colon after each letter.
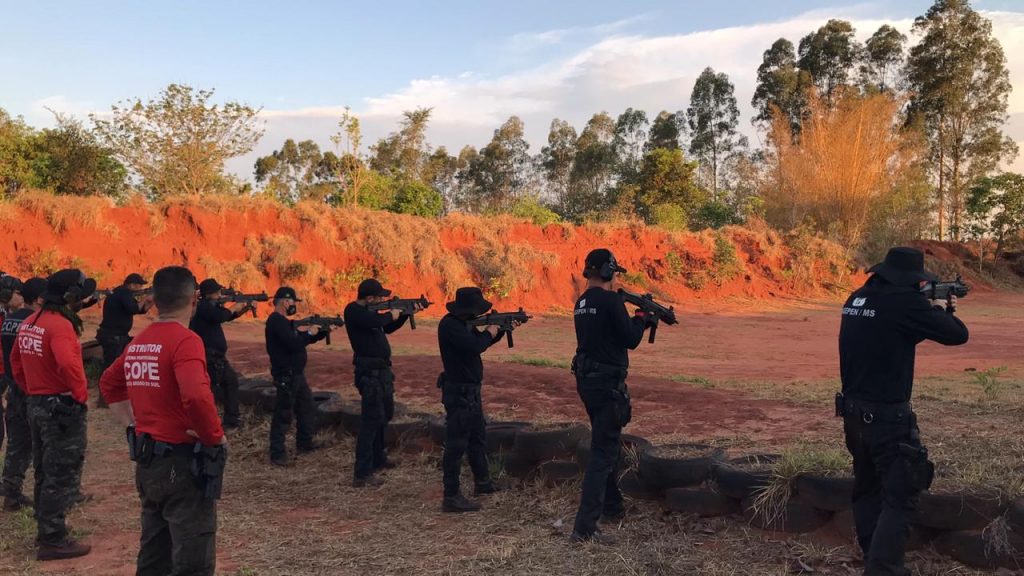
x: 850, y: 156
x: 298, y: 171
x: 416, y: 198
x: 959, y: 93
x: 350, y: 171
x: 713, y: 118
x: 667, y: 179
x: 630, y: 138
x: 882, y: 59
x: 781, y: 87
x: 404, y: 154
x: 828, y: 56
x: 557, y: 158
x: 996, y: 206
x: 593, y: 171
x: 178, y: 143
x: 500, y: 172
x: 665, y: 132
x: 442, y: 173
x: 15, y: 153
x: 69, y: 159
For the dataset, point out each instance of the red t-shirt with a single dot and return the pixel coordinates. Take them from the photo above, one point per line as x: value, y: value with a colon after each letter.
x: 163, y: 373
x: 47, y: 358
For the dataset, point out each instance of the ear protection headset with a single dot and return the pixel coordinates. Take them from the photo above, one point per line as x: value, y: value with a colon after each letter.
x: 607, y: 270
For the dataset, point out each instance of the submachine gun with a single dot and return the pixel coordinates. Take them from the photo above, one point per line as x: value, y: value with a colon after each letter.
x: 326, y: 323
x: 406, y: 306
x: 657, y: 312
x: 942, y: 290
x: 506, y: 321
x: 235, y: 297
x: 135, y: 293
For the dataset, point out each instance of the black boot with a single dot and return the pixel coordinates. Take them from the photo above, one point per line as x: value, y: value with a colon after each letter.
x: 459, y: 503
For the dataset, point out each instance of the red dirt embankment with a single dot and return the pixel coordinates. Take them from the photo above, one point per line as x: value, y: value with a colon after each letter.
x: 256, y: 245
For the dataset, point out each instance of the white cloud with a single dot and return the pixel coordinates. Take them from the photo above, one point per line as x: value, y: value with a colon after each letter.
x: 41, y: 112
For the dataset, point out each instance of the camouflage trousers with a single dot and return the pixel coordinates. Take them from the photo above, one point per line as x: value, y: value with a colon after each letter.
x: 58, y: 452
x: 19, y: 442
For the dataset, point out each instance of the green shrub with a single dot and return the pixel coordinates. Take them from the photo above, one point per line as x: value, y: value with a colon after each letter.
x: 417, y: 199
x: 714, y: 215
x: 726, y: 265
x: 530, y: 208
x: 669, y: 216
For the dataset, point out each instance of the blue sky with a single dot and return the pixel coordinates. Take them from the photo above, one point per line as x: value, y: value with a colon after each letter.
x: 475, y: 62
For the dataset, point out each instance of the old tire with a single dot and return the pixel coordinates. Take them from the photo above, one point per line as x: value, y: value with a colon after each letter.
x: 828, y: 493
x: 632, y: 485
x: 631, y: 447
x: 330, y: 413
x: 971, y: 548
x: 703, y: 502
x: 322, y: 398
x: 798, y: 518
x: 250, y: 390
x: 91, y: 351
x: 956, y: 512
x: 558, y: 472
x: 415, y: 426
x: 1015, y: 515
x: 550, y: 444
x: 501, y: 436
x: 516, y: 466
x: 436, y: 429
x: 664, y: 472
x: 733, y: 479
x: 844, y: 526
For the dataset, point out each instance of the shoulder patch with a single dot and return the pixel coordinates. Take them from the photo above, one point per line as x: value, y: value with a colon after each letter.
x: 859, y: 301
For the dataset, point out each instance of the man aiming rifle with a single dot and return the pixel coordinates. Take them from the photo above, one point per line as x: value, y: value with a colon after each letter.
x: 405, y: 306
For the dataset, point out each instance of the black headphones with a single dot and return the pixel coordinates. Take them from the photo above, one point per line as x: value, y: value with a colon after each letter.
x: 607, y: 270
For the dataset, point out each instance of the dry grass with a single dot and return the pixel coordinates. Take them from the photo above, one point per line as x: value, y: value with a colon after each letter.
x: 60, y: 212
x: 242, y: 275
x: 770, y: 501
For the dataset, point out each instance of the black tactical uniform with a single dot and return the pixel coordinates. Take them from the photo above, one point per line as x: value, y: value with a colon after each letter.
x: 461, y: 346
x: 207, y: 323
x: 371, y: 357
x: 19, y: 432
x: 604, y: 332
x: 882, y: 323
x: 119, y: 311
x: 286, y: 347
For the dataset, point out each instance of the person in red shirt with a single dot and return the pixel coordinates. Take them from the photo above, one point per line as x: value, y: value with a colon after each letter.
x: 47, y: 362
x: 160, y: 389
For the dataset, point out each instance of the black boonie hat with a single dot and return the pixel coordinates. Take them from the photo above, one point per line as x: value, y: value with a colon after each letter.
x: 32, y: 289
x: 903, y: 267
x: 286, y: 292
x: 209, y: 286
x: 372, y: 287
x: 469, y: 300
x: 66, y: 281
x: 135, y: 278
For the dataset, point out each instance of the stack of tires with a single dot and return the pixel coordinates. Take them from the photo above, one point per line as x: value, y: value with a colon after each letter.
x: 529, y: 451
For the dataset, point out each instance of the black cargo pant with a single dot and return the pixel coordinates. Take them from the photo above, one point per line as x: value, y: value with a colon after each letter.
x: 19, y: 442
x: 179, y: 526
x: 886, y: 485
x: 293, y: 396
x: 113, y: 346
x: 606, y: 399
x: 224, y: 381
x: 377, y: 389
x: 465, y: 433
x: 58, y: 452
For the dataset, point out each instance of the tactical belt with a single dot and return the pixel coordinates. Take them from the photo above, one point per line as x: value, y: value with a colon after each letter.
x: 584, y: 366
x: 869, y: 412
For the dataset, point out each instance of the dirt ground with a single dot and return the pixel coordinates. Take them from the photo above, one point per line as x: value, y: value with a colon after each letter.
x: 742, y: 376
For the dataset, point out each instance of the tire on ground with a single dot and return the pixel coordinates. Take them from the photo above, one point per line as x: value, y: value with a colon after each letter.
x: 330, y: 413
x: 634, y: 486
x: 797, y: 517
x: 956, y: 511
x: 352, y: 416
x: 734, y: 480
x: 412, y: 426
x: 322, y: 398
x: 501, y: 436
x: 703, y: 502
x: 664, y: 472
x: 632, y: 447
x: 515, y: 465
x: 844, y: 526
x: 436, y: 429
x: 552, y: 443
x: 828, y: 493
x: 558, y: 472
x: 1015, y: 515
x: 974, y: 549
x: 250, y: 390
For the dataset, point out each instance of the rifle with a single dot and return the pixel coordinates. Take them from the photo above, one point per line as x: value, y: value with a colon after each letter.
x: 503, y: 320
x: 135, y: 293
x: 406, y: 306
x: 324, y: 322
x: 943, y: 290
x: 239, y: 298
x: 651, y: 308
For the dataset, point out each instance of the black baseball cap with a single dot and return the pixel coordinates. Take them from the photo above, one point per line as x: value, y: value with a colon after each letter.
x: 209, y: 286
x: 601, y: 256
x: 286, y: 292
x: 135, y: 278
x: 32, y: 289
x: 372, y: 287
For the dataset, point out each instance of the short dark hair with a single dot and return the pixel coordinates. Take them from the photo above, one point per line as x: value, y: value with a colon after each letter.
x: 173, y: 288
